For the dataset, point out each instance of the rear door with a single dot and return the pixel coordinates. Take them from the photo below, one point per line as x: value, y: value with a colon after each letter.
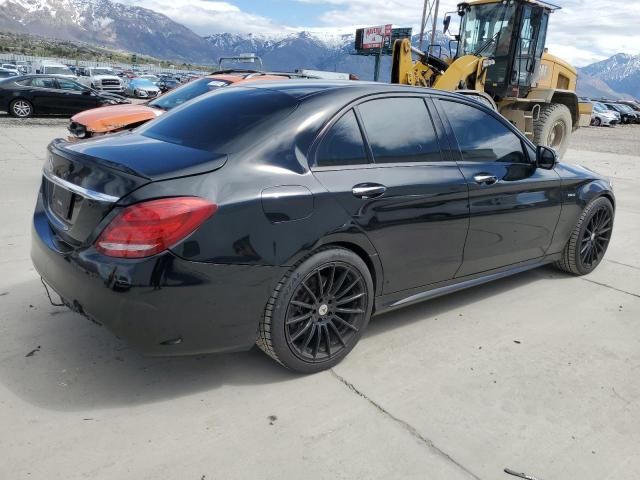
x: 384, y: 161
x: 44, y: 94
x: 514, y: 206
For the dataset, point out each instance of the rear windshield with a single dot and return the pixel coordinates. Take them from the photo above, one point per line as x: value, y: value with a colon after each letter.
x: 186, y: 92
x: 218, y: 119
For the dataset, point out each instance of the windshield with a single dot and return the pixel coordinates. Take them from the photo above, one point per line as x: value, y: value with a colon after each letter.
x: 487, y: 30
x: 625, y: 108
x: 598, y: 107
x: 142, y: 82
x: 102, y: 71
x: 51, y: 70
x: 186, y: 93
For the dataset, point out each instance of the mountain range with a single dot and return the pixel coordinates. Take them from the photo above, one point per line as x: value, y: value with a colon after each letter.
x: 135, y: 29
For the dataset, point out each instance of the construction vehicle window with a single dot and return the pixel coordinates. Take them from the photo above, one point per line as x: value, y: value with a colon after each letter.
x: 400, y: 130
x: 481, y: 137
x: 343, y: 144
x: 487, y: 29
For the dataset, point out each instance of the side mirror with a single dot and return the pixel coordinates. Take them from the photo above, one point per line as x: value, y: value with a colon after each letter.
x: 546, y: 158
x: 446, y: 22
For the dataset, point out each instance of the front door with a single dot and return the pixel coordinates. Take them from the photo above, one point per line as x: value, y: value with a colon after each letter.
x: 399, y: 188
x: 74, y: 96
x: 514, y: 206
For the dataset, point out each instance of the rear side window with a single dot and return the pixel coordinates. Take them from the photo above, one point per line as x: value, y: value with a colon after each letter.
x: 400, y: 130
x: 343, y: 144
x: 481, y: 137
x: 43, y: 82
x: 219, y: 121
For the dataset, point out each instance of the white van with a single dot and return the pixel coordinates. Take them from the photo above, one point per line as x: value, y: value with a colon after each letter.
x: 50, y: 68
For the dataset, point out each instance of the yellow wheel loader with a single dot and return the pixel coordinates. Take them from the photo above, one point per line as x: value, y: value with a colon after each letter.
x: 501, y: 59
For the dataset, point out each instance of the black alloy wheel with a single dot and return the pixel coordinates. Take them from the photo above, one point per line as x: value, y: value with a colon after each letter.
x: 590, y: 238
x: 595, y: 238
x: 327, y: 309
x: 318, y: 311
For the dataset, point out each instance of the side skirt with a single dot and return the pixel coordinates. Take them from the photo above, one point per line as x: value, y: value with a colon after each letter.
x: 397, y: 300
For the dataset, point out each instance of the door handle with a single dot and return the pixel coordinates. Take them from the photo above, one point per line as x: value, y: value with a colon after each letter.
x: 365, y: 191
x: 485, y: 179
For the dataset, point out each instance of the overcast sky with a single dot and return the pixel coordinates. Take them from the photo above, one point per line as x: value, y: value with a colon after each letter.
x: 582, y: 32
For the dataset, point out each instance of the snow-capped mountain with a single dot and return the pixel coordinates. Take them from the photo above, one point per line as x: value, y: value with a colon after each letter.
x: 105, y: 23
x: 620, y: 72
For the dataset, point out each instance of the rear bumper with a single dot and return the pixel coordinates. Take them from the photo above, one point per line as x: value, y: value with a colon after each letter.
x: 195, y: 307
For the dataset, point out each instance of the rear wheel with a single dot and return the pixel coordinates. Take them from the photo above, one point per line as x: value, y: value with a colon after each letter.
x: 553, y: 127
x: 590, y: 238
x: 21, y: 108
x: 318, y: 311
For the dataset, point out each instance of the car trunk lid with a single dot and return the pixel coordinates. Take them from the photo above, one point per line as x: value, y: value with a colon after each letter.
x: 83, y: 182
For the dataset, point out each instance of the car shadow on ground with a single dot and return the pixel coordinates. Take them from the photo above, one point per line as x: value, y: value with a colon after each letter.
x: 55, y: 359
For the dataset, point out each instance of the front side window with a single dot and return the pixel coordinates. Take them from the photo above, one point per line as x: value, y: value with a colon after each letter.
x: 481, y: 137
x: 65, y: 84
x: 400, y: 130
x: 343, y: 144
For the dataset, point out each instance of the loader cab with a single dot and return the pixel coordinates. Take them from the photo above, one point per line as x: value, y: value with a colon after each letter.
x: 512, y: 33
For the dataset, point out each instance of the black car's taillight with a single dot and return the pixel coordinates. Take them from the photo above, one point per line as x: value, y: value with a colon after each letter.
x: 150, y: 227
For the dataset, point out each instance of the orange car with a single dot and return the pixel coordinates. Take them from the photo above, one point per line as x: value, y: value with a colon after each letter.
x: 99, y: 121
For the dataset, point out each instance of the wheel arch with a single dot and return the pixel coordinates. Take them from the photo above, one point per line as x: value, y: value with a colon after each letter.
x: 359, y: 245
x: 598, y: 188
x: 570, y: 100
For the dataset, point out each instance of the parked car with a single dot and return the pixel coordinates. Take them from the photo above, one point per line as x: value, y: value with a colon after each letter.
x: 634, y: 116
x: 287, y: 213
x: 27, y: 95
x: 11, y: 67
x: 4, y: 73
x: 166, y: 84
x: 603, y: 116
x: 142, y: 88
x: 103, y: 79
x: 627, y: 115
x: 52, y: 68
x: 123, y: 117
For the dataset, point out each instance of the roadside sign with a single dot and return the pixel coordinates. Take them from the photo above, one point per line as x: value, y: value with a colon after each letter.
x: 376, y: 37
x: 379, y: 40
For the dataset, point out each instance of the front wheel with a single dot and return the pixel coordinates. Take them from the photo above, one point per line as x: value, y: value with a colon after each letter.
x: 318, y: 311
x: 590, y: 238
x: 597, y: 122
x: 553, y: 127
x: 21, y: 108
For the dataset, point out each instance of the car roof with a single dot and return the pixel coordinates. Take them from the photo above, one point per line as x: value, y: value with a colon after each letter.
x: 305, y: 88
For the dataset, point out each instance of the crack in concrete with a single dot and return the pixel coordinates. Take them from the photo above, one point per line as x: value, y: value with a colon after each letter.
x: 623, y: 264
x: 406, y: 426
x: 612, y: 288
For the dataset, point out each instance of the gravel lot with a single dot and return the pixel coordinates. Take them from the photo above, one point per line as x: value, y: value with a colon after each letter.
x: 537, y: 372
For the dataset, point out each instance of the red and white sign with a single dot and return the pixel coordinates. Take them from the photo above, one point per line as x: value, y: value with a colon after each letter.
x: 376, y: 37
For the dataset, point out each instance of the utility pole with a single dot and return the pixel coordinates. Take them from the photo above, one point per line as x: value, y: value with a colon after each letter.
x: 435, y: 25
x: 429, y: 7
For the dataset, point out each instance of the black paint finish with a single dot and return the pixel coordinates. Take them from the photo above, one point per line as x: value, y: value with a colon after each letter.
x: 425, y: 226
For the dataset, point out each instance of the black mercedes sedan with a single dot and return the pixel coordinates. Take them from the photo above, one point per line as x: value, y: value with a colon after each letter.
x: 27, y: 95
x: 287, y: 214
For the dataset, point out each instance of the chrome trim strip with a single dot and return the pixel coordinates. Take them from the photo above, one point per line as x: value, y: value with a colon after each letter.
x: 78, y: 190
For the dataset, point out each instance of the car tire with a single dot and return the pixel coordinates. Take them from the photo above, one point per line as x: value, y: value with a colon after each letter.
x: 318, y: 311
x: 553, y: 127
x: 21, y: 108
x: 592, y: 233
x: 597, y: 122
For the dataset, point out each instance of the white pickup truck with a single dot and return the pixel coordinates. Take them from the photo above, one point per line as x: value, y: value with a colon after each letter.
x: 102, y: 78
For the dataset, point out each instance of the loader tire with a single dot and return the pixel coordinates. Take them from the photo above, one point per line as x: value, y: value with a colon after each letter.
x: 553, y: 127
